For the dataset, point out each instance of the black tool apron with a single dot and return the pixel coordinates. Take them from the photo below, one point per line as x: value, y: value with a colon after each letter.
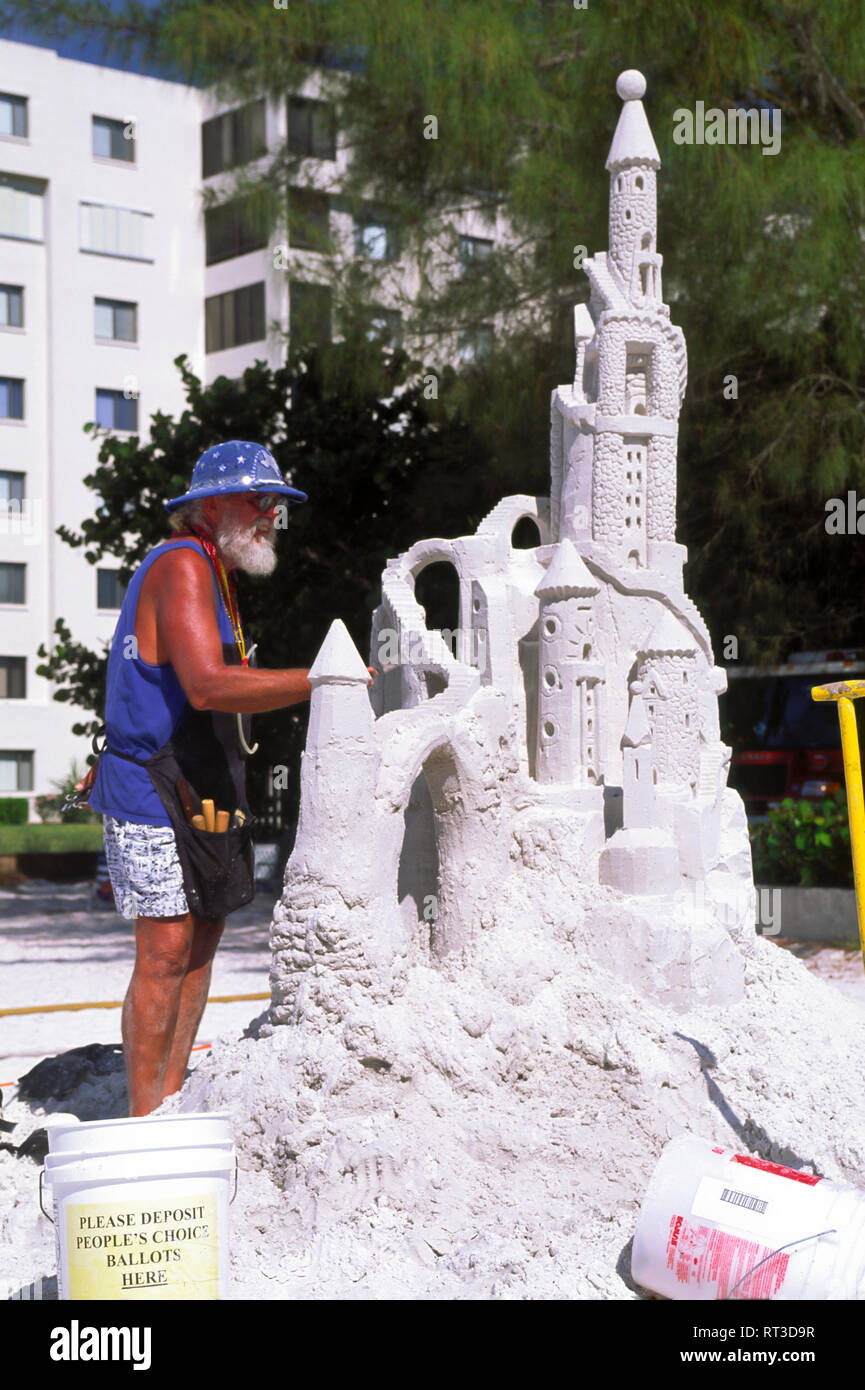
x: 205, y: 750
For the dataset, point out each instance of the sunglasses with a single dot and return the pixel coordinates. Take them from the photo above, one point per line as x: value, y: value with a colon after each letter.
x: 263, y: 501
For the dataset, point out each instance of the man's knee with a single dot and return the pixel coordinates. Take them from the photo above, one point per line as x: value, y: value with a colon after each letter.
x: 163, y: 949
x: 205, y: 939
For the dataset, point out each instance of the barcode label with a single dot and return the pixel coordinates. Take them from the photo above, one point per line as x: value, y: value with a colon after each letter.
x: 760, y: 1204
x: 744, y: 1199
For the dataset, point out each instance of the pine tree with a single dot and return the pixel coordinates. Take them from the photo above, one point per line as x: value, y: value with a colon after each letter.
x: 508, y: 108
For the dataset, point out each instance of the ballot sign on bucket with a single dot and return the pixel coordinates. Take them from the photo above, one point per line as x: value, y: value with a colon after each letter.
x: 140, y: 1207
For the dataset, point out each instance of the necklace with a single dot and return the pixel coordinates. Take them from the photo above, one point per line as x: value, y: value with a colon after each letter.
x: 229, y: 597
x: 227, y: 588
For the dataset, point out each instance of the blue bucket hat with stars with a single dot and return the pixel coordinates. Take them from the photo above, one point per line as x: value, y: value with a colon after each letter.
x: 236, y: 466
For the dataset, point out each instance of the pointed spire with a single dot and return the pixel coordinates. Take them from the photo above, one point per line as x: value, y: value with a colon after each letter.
x: 637, y: 730
x: 338, y: 661
x: 633, y: 142
x: 668, y: 637
x: 567, y: 575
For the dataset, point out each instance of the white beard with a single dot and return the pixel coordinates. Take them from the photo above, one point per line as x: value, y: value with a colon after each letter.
x: 248, y: 549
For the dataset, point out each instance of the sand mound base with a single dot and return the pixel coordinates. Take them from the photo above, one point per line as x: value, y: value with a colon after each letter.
x: 457, y: 1144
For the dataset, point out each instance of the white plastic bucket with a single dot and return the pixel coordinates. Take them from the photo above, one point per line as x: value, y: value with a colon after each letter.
x: 141, y: 1132
x: 716, y: 1224
x: 141, y: 1207
x: 54, y: 1161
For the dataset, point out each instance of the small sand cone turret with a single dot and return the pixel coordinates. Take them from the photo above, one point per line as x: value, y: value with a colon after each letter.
x: 338, y: 765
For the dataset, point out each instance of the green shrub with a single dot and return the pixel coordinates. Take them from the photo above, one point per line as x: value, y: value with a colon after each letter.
x: 804, y: 844
x: 50, y: 839
x: 13, y: 810
x: 48, y: 808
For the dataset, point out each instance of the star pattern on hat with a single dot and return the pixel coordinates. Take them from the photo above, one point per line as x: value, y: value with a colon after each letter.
x: 233, y: 466
x: 220, y: 464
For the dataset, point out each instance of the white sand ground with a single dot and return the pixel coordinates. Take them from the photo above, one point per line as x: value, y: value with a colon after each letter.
x: 55, y: 947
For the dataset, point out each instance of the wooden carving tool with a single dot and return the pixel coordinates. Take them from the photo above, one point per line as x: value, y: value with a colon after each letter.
x: 221, y: 822
x: 188, y: 799
x: 198, y: 822
x: 209, y: 812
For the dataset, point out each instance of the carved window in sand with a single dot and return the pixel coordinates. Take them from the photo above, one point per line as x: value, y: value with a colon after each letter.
x: 581, y: 642
x: 587, y: 725
x: 637, y: 364
x: 635, y: 493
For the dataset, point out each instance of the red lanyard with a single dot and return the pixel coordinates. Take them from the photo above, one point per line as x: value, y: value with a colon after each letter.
x: 226, y: 585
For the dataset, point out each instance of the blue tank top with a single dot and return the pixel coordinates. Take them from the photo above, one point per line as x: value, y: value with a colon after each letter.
x: 144, y: 705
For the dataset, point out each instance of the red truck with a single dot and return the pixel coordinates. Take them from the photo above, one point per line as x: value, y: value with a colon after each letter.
x: 784, y: 743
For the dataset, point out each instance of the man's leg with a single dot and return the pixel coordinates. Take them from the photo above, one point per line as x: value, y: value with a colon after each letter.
x: 193, y: 997
x: 163, y: 948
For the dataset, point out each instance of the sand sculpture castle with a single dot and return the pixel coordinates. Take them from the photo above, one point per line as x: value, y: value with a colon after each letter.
x: 514, y: 951
x: 563, y: 763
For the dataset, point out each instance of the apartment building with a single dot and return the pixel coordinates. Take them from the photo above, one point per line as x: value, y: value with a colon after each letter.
x: 112, y: 262
x: 101, y: 286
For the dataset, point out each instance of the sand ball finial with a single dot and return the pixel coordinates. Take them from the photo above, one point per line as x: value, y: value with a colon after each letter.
x: 631, y: 85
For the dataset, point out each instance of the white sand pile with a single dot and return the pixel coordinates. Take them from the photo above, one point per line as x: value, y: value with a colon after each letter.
x: 491, y: 1134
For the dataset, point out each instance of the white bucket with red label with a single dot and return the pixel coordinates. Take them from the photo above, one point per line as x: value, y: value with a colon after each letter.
x: 716, y: 1224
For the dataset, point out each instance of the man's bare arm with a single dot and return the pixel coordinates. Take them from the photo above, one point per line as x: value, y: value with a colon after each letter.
x: 188, y: 637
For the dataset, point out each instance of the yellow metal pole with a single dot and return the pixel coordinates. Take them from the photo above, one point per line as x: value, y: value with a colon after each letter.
x: 855, y: 805
x: 844, y: 693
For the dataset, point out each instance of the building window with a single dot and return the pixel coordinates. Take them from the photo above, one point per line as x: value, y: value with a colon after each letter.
x: 115, y: 410
x: 383, y: 325
x: 109, y: 590
x: 12, y: 586
x: 111, y: 141
x: 476, y: 344
x: 311, y: 128
x: 11, y: 306
x: 13, y: 115
x: 116, y: 320
x: 13, y: 677
x: 110, y: 231
x: 234, y: 318
x: 232, y: 229
x: 16, y: 772
x: 236, y: 137
x: 21, y: 208
x: 11, y: 398
x: 376, y: 238
x: 473, y: 250
x: 11, y: 492
x: 308, y: 220
x: 310, y: 312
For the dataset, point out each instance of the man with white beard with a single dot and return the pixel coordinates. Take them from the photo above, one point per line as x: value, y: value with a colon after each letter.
x: 170, y: 782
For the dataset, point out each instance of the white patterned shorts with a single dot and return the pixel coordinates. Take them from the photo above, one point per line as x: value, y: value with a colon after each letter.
x: 144, y: 869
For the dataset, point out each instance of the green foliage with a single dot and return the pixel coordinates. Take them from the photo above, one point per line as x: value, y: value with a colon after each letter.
x: 50, y: 839
x: 763, y: 254
x: 49, y: 808
x: 79, y: 675
x: 804, y: 843
x: 13, y: 810
x: 383, y: 465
